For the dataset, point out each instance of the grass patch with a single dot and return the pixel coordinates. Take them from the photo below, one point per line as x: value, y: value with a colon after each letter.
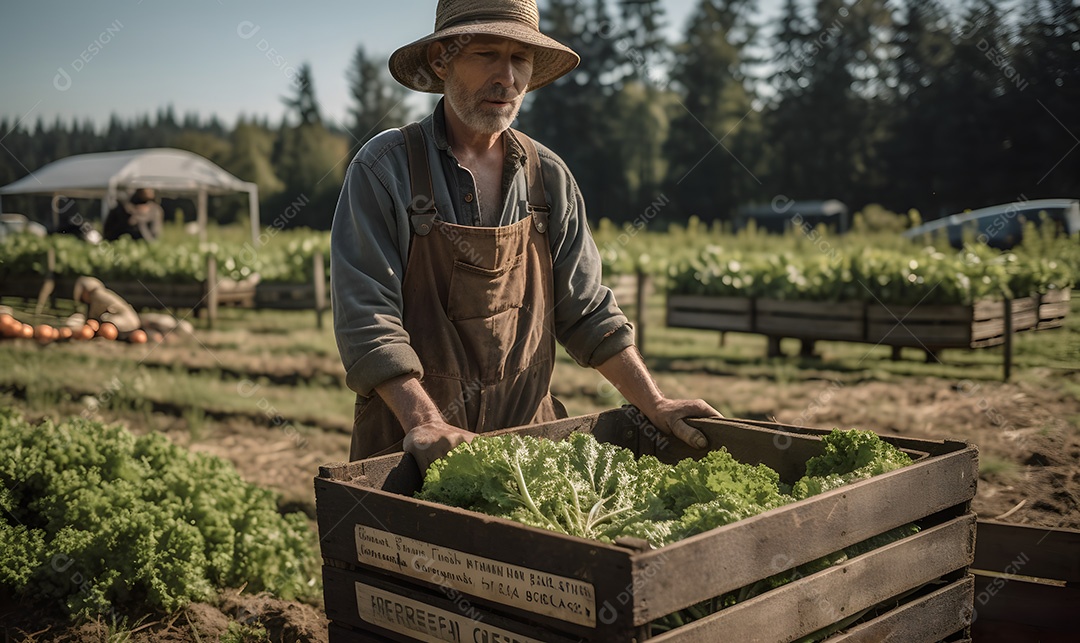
x: 995, y: 467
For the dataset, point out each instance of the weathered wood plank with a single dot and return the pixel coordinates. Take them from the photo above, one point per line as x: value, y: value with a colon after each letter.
x: 836, y: 328
x: 1017, y: 602
x: 821, y: 309
x: 919, y: 335
x: 404, y: 612
x: 816, y: 601
x: 890, y: 314
x: 709, y: 321
x: 1057, y: 295
x: 929, y: 618
x: 706, y: 303
x: 1028, y: 551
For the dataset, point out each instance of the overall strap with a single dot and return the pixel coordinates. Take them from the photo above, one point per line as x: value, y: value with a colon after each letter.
x: 534, y: 178
x: 421, y: 208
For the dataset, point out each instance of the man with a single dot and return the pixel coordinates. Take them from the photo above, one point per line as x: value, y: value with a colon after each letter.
x: 140, y: 218
x: 460, y: 252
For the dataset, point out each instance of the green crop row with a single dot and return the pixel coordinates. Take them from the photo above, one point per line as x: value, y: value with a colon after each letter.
x: 285, y: 257
x: 95, y: 518
x: 813, y: 265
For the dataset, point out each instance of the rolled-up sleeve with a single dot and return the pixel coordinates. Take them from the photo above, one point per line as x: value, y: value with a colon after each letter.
x: 588, y: 322
x: 366, y: 267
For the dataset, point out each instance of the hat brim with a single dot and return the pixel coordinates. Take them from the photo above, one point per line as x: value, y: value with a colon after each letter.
x: 409, y: 64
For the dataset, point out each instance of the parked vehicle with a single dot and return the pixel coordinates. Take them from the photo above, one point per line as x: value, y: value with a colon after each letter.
x: 1002, y: 226
x: 784, y: 214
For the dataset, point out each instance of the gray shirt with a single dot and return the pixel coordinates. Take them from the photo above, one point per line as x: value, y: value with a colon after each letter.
x: 369, y: 245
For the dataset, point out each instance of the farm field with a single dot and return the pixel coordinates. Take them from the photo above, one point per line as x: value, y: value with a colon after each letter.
x: 265, y: 390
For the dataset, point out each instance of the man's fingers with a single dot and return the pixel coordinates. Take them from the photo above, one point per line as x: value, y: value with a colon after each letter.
x: 689, y: 435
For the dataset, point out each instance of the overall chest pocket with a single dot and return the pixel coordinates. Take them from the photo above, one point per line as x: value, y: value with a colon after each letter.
x: 477, y: 292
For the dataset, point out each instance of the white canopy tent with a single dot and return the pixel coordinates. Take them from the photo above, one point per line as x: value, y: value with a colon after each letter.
x: 173, y: 173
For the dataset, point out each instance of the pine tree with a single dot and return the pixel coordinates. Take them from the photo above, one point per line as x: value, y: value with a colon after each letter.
x: 573, y: 116
x: 975, y: 116
x: 831, y: 112
x: 303, y: 101
x: 380, y: 102
x: 919, y: 143
x: 712, y: 164
x: 1042, y: 83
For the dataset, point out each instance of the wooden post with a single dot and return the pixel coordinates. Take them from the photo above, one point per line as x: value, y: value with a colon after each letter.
x: 200, y: 214
x: 211, y: 290
x: 320, y: 289
x: 49, y: 285
x: 642, y: 306
x: 1008, y: 340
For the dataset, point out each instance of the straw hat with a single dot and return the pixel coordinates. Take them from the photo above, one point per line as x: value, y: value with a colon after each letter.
x: 459, y: 20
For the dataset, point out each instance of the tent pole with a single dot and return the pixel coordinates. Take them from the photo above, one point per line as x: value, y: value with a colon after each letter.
x: 200, y: 209
x: 55, y: 211
x: 253, y: 214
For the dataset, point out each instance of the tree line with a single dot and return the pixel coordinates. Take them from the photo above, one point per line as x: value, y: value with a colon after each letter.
x: 905, y: 103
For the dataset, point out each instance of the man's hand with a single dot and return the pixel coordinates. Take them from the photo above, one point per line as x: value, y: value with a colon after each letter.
x: 428, y: 436
x: 669, y: 416
x: 626, y: 370
x: 433, y: 440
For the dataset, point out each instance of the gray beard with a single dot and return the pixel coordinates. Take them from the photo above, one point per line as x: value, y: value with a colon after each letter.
x: 469, y: 110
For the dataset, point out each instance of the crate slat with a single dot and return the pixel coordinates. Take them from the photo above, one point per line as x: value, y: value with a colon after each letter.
x: 819, y: 600
x: 377, y: 604
x: 934, y: 314
x: 802, y: 327
x: 708, y: 321
x: 929, y: 618
x: 1017, y: 602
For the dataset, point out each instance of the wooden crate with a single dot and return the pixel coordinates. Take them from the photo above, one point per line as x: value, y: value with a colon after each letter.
x: 404, y: 569
x: 285, y: 296
x: 711, y: 313
x: 1027, y: 583
x: 814, y: 320
x: 1053, y: 307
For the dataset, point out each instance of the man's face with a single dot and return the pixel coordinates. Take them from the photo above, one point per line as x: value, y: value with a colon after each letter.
x: 486, y: 81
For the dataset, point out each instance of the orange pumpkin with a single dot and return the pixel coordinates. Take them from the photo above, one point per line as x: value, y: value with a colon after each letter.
x: 108, y: 331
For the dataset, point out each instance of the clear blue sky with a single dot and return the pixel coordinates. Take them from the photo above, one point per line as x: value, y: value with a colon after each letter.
x: 88, y: 59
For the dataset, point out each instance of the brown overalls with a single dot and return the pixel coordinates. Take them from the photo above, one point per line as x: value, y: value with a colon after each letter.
x: 478, y: 304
